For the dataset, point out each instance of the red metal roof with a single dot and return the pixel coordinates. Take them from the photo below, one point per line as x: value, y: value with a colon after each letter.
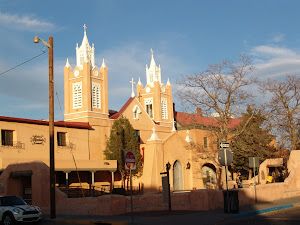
x: 188, y: 119
x: 80, y: 125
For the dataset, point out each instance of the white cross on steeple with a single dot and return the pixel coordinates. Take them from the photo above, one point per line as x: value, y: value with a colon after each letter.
x: 84, y: 26
x: 151, y: 50
x: 132, y: 92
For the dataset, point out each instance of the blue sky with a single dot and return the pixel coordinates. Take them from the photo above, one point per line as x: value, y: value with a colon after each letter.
x: 186, y: 37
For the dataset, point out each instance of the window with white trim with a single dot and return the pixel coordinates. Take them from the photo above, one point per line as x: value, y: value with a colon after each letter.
x: 96, y: 95
x: 7, y: 137
x: 61, y: 139
x: 149, y: 106
x: 77, y: 95
x: 164, y: 108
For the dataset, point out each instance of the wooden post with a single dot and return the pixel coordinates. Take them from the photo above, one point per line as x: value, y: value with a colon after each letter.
x: 51, y: 132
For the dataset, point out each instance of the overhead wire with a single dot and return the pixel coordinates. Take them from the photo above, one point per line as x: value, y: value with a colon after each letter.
x: 71, y: 150
x: 23, y: 63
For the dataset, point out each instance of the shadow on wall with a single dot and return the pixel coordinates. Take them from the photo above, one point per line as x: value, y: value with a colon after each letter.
x: 113, y: 204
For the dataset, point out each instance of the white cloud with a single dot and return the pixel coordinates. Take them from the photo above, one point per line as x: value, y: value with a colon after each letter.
x: 275, y: 61
x: 273, y: 52
x: 25, y: 22
x: 278, y: 37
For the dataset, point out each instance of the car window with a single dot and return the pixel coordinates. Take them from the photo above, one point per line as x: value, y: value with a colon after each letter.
x: 12, y: 200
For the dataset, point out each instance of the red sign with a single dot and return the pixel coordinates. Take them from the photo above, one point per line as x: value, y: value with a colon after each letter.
x: 130, y: 160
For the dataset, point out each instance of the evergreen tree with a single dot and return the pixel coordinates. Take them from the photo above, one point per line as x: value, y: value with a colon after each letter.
x: 253, y: 142
x: 123, y: 138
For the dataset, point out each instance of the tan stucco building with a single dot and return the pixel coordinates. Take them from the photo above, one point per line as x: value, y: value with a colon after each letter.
x: 80, y: 139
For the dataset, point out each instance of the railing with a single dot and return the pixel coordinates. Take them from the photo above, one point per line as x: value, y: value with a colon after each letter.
x: 68, y: 145
x: 13, y: 144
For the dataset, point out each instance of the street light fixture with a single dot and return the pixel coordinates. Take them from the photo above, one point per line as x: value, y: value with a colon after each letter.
x: 51, y: 125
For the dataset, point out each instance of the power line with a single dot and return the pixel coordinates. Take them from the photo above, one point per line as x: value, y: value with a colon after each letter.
x: 23, y: 63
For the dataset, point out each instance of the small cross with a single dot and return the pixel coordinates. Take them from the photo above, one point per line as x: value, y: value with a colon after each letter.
x: 153, y: 129
x: 151, y: 51
x: 132, y: 92
x: 84, y: 26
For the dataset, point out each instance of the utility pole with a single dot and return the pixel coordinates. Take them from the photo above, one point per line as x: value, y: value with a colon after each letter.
x: 51, y: 132
x: 51, y: 125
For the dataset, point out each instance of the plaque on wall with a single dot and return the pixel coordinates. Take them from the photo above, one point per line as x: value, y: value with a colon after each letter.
x: 38, y: 140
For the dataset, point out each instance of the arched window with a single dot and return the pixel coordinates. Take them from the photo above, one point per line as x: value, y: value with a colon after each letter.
x: 177, y: 176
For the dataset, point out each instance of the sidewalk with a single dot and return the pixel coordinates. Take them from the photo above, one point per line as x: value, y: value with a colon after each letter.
x: 179, y: 217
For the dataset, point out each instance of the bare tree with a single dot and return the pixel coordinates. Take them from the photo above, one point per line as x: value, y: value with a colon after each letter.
x: 221, y: 89
x: 284, y: 106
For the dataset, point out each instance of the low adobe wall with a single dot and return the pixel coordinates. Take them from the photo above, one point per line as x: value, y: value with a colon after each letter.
x: 196, y: 200
x: 106, y: 205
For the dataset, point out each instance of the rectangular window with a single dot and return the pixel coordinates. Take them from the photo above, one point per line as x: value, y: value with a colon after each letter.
x: 164, y: 108
x: 7, y: 137
x: 77, y: 95
x: 205, y: 142
x: 61, y: 139
x: 96, y: 95
x: 149, y: 110
x: 137, y: 133
x: 149, y: 107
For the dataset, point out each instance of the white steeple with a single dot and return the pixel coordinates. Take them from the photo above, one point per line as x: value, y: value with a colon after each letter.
x: 67, y: 63
x: 139, y: 83
x: 85, y: 53
x: 153, y: 73
x: 168, y: 82
x: 103, y: 64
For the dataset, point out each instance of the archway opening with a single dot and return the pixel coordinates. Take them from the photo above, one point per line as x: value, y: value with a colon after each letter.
x: 209, y: 176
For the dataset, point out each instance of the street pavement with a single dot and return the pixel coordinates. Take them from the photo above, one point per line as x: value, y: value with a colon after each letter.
x: 284, y: 211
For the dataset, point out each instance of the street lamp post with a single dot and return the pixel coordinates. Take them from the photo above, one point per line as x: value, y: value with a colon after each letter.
x: 51, y: 125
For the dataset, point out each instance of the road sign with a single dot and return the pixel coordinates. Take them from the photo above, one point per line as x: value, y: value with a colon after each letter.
x: 224, y: 145
x: 129, y: 160
x: 253, y: 162
x: 225, y: 157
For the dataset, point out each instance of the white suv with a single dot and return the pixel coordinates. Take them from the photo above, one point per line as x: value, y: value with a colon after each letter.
x: 14, y: 208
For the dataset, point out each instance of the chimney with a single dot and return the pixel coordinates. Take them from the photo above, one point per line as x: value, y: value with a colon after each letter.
x: 199, y: 111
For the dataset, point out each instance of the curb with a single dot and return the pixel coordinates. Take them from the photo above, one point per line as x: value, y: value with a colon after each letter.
x: 257, y: 212
x: 97, y: 222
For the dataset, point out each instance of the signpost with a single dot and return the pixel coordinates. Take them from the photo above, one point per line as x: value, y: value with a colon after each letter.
x: 131, y: 165
x: 225, y: 157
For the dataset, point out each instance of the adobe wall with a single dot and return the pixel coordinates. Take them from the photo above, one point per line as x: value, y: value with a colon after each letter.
x: 201, y: 200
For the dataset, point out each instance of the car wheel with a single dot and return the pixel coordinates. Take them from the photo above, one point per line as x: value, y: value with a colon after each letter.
x: 8, y: 219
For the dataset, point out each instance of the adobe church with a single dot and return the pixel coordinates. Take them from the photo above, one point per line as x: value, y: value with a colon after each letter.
x: 81, y: 138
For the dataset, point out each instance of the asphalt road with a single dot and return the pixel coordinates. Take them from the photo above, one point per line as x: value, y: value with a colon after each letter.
x: 290, y: 216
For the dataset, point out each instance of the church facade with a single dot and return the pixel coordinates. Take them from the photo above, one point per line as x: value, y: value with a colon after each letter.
x: 81, y: 138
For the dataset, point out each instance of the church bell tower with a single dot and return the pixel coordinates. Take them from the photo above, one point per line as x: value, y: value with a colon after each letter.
x: 156, y: 97
x: 86, y: 94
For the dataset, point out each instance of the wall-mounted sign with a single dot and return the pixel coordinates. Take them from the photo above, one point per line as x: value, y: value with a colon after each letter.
x: 37, y: 139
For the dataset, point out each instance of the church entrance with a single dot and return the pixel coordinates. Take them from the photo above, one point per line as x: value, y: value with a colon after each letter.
x: 209, y: 176
x: 177, y: 176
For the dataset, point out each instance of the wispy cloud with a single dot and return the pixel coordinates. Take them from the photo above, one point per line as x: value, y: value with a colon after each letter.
x: 273, y: 52
x: 25, y: 22
x: 275, y: 61
x: 279, y: 37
